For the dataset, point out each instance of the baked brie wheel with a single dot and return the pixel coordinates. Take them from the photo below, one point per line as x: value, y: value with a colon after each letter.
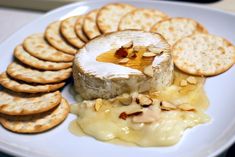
x: 122, y: 62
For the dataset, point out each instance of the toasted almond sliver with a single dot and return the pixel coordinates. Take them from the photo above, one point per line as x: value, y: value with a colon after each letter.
x: 132, y: 55
x: 192, y: 80
x: 167, y: 106
x: 98, y: 104
x: 183, y: 83
x: 136, y: 48
x: 124, y: 60
x: 154, y: 49
x: 125, y: 99
x: 149, y: 54
x: 128, y: 45
x: 144, y: 100
x: 148, y: 71
x: 149, y: 115
x: 186, y: 107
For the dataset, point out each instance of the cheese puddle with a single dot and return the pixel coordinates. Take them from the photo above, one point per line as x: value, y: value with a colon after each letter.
x: 106, y: 125
x: 137, y: 62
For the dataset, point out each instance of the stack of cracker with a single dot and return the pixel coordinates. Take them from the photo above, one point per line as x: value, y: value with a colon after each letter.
x: 30, y: 101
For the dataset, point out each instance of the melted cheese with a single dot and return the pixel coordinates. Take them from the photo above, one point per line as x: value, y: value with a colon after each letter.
x: 106, y: 125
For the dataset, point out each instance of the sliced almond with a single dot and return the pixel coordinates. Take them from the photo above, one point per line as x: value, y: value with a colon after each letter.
x: 128, y: 45
x: 136, y: 48
x: 167, y: 106
x: 149, y: 115
x: 124, y: 60
x: 132, y: 55
x: 144, y: 100
x: 148, y: 71
x: 186, y: 107
x: 98, y: 104
x: 192, y: 80
x: 124, y: 115
x: 149, y: 54
x: 183, y: 83
x: 125, y: 99
x: 154, y: 49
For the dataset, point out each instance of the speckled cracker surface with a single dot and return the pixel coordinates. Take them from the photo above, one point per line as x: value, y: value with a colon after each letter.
x: 109, y: 16
x: 89, y: 26
x: 24, y: 73
x: 174, y: 29
x: 203, y: 54
x: 68, y: 31
x: 12, y: 103
x: 38, y: 47
x: 141, y: 19
x: 53, y: 36
x: 38, y: 122
x: 16, y: 86
x: 34, y: 62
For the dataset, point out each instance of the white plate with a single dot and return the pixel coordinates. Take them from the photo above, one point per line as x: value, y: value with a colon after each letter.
x: 204, y: 140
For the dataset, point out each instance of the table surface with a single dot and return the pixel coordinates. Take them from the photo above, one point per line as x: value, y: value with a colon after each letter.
x: 12, y: 19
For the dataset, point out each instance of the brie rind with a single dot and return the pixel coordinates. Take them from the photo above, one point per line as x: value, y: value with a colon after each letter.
x: 94, y: 79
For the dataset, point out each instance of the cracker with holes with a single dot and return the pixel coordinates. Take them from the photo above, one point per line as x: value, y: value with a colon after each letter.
x: 53, y: 36
x: 174, y: 29
x: 141, y: 19
x: 90, y: 28
x: 24, y: 73
x: 37, y: 122
x: 203, y: 55
x: 79, y: 30
x: 38, y: 47
x: 16, y: 86
x: 36, y: 63
x: 12, y: 103
x: 109, y: 16
x: 68, y: 31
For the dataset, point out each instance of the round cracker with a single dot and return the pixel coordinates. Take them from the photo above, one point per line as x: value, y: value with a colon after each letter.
x: 53, y: 36
x: 23, y: 73
x: 12, y: 103
x: 174, y: 29
x: 89, y: 26
x: 37, y: 46
x: 34, y: 62
x: 109, y: 16
x: 141, y: 19
x: 203, y: 54
x: 37, y: 122
x: 79, y: 30
x: 68, y: 31
x: 16, y: 86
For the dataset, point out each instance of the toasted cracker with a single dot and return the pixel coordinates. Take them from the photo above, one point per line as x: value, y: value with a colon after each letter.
x: 89, y: 26
x: 79, y: 30
x: 174, y: 29
x: 37, y: 122
x: 16, y: 86
x: 34, y: 62
x: 203, y: 54
x: 142, y: 19
x: 24, y: 73
x: 38, y: 47
x: 12, y: 103
x: 68, y: 31
x: 53, y: 36
x: 109, y: 16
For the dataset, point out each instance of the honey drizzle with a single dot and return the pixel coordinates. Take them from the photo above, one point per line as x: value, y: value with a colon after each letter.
x: 139, y: 62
